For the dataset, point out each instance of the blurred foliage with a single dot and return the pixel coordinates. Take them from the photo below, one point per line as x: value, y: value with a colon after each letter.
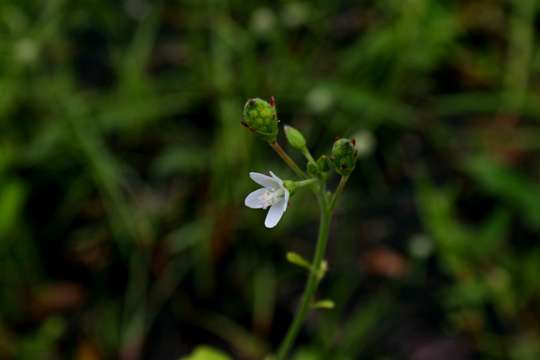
x: 206, y: 353
x: 123, y: 168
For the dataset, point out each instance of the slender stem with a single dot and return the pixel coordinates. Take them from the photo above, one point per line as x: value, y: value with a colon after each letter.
x: 308, y: 155
x: 339, y: 190
x: 306, y: 182
x: 313, y: 280
x: 288, y: 160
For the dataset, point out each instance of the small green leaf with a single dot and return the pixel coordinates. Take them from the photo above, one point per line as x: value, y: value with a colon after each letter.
x: 298, y: 260
x: 324, y: 304
x: 323, y: 268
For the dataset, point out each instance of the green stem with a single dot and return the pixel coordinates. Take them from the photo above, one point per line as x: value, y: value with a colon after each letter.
x: 307, y: 182
x: 339, y: 190
x: 288, y: 160
x: 313, y: 280
x: 308, y: 155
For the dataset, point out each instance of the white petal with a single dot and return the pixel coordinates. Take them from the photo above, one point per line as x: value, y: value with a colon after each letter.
x: 264, y: 180
x: 286, y: 200
x: 278, y: 180
x: 253, y: 199
x: 274, y: 214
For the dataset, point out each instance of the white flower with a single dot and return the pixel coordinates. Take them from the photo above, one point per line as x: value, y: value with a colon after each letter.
x: 274, y: 194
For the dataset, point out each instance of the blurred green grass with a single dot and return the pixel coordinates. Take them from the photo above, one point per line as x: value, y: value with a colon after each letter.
x: 123, y: 169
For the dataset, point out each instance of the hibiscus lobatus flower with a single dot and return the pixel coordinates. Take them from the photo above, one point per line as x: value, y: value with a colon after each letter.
x: 274, y: 194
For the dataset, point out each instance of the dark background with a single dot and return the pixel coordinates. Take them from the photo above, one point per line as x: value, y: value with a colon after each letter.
x: 123, y: 171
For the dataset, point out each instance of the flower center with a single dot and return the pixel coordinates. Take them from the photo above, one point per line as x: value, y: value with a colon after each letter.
x: 271, y: 197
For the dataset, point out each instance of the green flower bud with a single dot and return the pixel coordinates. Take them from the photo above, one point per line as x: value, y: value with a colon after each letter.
x: 295, y: 137
x: 323, y: 163
x: 261, y: 118
x: 344, y: 156
x: 312, y: 169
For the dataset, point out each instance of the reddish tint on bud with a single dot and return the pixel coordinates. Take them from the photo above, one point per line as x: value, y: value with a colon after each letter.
x: 344, y: 156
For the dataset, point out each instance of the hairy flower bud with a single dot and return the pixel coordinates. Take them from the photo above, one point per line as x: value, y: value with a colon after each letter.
x: 344, y: 156
x: 295, y: 138
x: 260, y: 117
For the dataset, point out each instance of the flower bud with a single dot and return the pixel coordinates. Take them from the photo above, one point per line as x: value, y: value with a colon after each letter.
x: 312, y: 169
x: 295, y: 137
x: 344, y: 156
x: 323, y: 163
x: 260, y: 117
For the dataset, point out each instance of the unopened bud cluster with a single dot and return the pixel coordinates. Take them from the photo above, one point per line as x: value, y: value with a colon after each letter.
x: 260, y: 117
